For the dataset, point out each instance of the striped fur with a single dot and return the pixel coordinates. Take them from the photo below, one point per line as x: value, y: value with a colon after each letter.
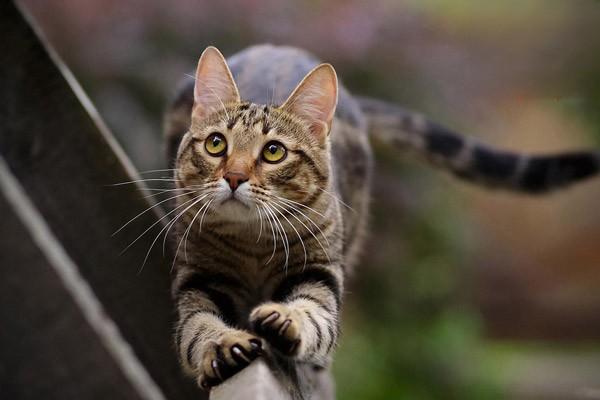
x: 473, y: 161
x: 243, y: 290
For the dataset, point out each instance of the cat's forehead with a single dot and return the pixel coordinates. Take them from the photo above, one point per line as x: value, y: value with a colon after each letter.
x: 250, y: 122
x: 250, y: 116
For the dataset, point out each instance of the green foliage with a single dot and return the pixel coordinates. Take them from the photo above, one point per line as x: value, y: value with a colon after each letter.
x: 408, y: 331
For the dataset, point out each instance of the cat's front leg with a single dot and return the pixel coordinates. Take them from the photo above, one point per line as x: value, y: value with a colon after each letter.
x: 303, y: 320
x: 209, y: 348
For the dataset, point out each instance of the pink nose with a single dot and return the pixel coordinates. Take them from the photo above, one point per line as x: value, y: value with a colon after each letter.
x: 235, y: 179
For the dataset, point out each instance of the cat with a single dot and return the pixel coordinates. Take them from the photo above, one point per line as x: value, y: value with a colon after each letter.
x: 273, y: 171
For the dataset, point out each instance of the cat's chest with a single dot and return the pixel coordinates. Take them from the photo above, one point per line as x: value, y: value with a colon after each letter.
x: 255, y: 266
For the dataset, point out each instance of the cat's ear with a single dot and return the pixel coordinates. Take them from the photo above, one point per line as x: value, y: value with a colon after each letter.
x: 214, y: 85
x: 314, y: 99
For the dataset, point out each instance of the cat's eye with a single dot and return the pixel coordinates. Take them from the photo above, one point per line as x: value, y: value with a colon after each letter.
x: 274, y: 152
x: 215, y: 144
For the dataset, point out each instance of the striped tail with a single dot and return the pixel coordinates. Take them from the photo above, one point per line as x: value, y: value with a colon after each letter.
x: 472, y: 161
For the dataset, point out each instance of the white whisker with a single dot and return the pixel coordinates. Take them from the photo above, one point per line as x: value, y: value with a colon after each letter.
x: 299, y: 204
x: 150, y: 171
x: 153, y: 225
x: 148, y: 209
x: 295, y: 230
x: 273, y: 236
x: 172, y: 223
x: 338, y: 199
x: 261, y: 222
x: 194, y: 201
x: 163, y: 191
x: 144, y: 180
x: 186, y: 234
x: 202, y: 218
x: 282, y: 233
x: 312, y: 233
x: 306, y: 217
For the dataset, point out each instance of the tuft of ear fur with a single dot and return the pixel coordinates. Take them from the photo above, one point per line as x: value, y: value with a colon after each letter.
x: 314, y: 99
x: 214, y: 83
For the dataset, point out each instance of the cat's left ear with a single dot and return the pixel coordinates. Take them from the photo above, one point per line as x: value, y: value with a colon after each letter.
x: 214, y: 85
x: 314, y: 100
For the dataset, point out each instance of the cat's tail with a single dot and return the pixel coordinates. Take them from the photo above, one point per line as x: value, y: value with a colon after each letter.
x: 472, y: 161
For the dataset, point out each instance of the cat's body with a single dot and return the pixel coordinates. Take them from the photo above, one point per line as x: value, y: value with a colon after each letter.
x: 270, y: 265
x: 285, y: 263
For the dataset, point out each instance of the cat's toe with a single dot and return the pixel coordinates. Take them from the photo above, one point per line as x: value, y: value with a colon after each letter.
x: 226, y: 357
x: 279, y: 326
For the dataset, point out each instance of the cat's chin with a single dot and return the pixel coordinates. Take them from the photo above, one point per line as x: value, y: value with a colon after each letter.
x: 235, y: 210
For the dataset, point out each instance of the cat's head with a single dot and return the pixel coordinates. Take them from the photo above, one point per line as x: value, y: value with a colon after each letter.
x: 242, y: 155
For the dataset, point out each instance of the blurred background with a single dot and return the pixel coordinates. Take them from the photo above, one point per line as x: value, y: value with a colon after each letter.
x: 463, y: 293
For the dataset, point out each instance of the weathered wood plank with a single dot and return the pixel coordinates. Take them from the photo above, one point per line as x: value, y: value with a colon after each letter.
x: 48, y: 347
x: 255, y: 382
x: 64, y: 158
x: 266, y: 379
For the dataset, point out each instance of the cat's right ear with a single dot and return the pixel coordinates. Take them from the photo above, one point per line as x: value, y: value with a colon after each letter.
x: 214, y: 85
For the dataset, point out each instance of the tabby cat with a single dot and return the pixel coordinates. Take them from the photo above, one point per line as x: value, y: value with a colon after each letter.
x: 274, y: 191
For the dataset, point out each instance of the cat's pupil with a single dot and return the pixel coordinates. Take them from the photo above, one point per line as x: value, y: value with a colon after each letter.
x: 272, y: 149
x: 216, y: 141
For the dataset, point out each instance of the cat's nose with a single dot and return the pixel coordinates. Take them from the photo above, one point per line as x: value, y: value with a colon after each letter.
x: 235, y: 179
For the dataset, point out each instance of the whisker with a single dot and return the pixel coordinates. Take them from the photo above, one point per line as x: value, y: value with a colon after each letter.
x: 154, y: 224
x: 160, y: 189
x: 261, y: 222
x: 273, y: 236
x: 306, y: 217
x: 151, y: 171
x: 148, y: 209
x: 172, y: 223
x: 299, y: 204
x: 202, y: 217
x: 186, y: 234
x: 144, y: 180
x: 163, y: 191
x: 194, y: 201
x: 313, y: 235
x: 295, y: 230
x: 282, y: 233
x: 338, y: 199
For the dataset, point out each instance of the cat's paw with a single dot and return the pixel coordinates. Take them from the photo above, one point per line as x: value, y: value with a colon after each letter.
x: 226, y: 357
x: 279, y: 325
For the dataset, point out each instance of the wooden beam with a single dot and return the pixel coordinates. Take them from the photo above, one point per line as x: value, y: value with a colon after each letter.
x: 64, y: 159
x: 267, y: 379
x: 255, y: 382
